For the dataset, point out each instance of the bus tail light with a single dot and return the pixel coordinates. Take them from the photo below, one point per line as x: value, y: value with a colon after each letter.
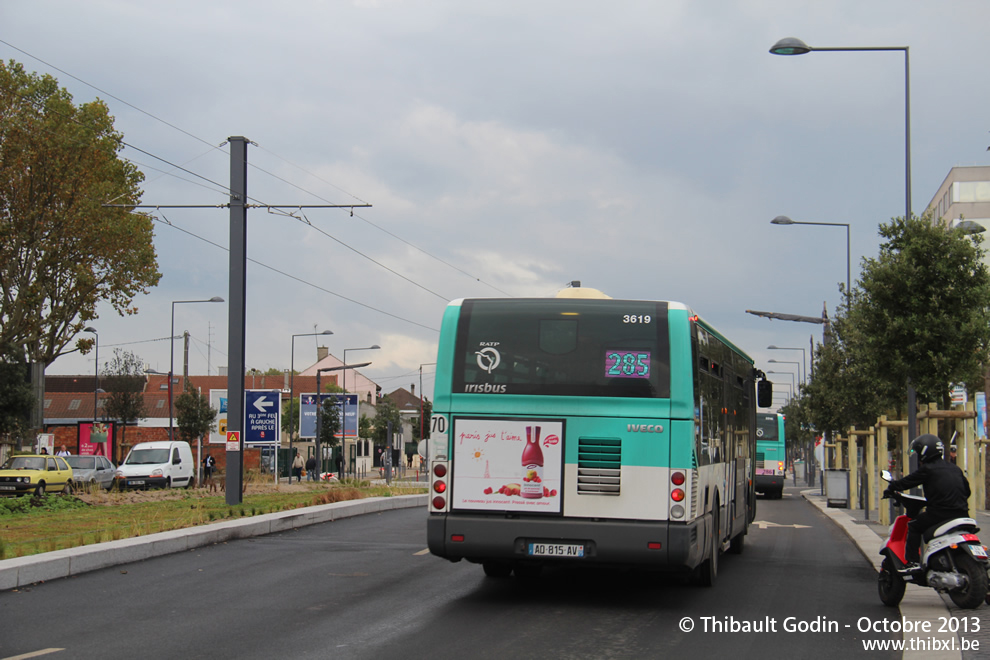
x: 677, y: 479
x: 780, y: 466
x: 677, y: 495
x: 439, y: 487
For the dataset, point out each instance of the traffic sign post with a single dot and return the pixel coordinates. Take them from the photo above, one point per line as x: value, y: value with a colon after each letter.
x: 262, y: 417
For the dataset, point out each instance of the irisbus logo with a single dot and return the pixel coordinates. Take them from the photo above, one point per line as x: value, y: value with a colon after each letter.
x: 644, y: 428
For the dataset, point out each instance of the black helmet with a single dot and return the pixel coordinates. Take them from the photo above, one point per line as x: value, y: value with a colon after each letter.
x: 928, y: 447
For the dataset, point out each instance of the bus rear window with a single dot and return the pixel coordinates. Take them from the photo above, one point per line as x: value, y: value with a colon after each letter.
x: 563, y: 347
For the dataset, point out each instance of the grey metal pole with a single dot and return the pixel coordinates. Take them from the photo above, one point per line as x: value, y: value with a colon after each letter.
x: 236, y: 315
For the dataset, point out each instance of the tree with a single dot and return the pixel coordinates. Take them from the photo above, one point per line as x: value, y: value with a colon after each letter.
x: 922, y: 312
x: 16, y: 397
x: 123, y: 379
x: 61, y: 251
x: 193, y: 413
x: 846, y: 390
x: 386, y: 411
x: 329, y: 423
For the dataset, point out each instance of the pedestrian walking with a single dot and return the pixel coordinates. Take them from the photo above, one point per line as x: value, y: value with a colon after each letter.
x: 208, y: 464
x: 311, y: 474
x: 297, y: 467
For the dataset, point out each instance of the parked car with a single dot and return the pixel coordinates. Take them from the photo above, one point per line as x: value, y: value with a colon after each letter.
x: 93, y: 470
x: 162, y: 464
x: 35, y: 474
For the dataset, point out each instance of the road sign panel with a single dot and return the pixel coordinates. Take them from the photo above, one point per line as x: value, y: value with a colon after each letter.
x: 262, y: 417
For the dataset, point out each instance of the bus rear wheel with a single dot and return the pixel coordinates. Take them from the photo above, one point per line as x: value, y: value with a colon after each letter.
x: 707, y: 571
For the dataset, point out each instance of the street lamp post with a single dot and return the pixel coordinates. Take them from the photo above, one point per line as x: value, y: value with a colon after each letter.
x: 784, y: 220
x: 786, y: 373
x: 292, y: 377
x: 319, y: 411
x: 343, y: 386
x: 801, y: 379
x: 171, y: 358
x: 793, y: 46
x: 804, y: 357
x: 96, y: 371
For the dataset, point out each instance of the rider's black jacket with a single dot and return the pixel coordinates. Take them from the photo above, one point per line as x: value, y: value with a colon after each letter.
x: 945, y: 485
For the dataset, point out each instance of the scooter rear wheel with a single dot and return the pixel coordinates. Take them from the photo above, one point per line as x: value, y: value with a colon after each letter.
x: 890, y: 584
x: 975, y: 591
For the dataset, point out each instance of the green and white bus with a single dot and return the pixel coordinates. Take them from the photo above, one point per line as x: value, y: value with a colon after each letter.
x: 770, y: 454
x: 643, y: 419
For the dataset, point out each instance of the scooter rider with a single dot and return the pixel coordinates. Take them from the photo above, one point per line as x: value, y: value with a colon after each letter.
x: 946, y: 491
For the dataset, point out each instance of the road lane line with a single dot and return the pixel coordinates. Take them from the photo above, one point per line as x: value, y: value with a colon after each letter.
x: 32, y: 654
x: 421, y: 552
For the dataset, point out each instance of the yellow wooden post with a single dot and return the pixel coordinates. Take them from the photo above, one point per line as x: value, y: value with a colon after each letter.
x: 838, y: 453
x: 883, y: 449
x: 905, y: 452
x: 853, y: 454
x: 871, y: 469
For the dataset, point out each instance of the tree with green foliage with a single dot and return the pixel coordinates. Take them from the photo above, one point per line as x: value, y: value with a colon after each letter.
x: 920, y: 314
x: 194, y: 415
x: 329, y: 423
x: 16, y: 398
x: 386, y: 411
x: 922, y: 311
x: 123, y: 379
x: 61, y: 251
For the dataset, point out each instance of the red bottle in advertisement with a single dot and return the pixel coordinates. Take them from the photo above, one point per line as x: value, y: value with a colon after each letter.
x: 532, y: 463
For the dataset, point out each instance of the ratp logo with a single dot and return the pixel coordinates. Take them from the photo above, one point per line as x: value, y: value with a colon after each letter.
x: 488, y: 359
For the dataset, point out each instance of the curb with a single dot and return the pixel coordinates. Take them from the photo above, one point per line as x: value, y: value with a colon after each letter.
x: 919, y: 603
x: 22, y: 571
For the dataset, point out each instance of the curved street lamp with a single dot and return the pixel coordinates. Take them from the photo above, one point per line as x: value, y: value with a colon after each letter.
x: 784, y: 220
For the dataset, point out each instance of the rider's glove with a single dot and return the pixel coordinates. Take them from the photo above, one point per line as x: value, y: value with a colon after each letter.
x: 887, y: 494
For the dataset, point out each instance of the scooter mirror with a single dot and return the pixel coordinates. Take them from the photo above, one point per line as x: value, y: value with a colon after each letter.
x: 886, y: 475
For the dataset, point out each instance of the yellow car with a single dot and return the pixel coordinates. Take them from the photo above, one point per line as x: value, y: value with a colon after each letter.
x: 35, y: 474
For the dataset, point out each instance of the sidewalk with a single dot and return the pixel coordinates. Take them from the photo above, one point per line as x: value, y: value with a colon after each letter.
x: 920, y: 603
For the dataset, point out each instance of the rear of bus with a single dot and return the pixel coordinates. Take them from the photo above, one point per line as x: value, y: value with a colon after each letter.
x: 591, y: 380
x: 770, y: 455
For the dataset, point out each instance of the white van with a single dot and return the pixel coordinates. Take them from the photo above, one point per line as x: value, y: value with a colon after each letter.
x: 164, y: 464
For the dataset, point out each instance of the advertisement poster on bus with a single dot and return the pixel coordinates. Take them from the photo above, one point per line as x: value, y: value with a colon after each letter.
x: 507, y: 465
x: 218, y: 431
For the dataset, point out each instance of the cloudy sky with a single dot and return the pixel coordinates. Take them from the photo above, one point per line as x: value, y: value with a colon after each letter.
x: 507, y: 148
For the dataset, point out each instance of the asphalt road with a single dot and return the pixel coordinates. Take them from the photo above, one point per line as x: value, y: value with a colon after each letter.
x: 364, y: 587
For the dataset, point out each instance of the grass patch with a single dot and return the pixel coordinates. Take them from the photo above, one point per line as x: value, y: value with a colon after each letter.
x: 31, y: 525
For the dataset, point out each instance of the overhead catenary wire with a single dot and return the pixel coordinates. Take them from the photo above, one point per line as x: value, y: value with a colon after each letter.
x: 168, y: 223
x: 225, y: 188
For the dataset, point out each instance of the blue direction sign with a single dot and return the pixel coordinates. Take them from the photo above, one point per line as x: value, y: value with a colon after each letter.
x: 262, y: 417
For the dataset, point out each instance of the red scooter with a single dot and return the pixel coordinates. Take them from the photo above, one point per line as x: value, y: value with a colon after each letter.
x: 953, y: 559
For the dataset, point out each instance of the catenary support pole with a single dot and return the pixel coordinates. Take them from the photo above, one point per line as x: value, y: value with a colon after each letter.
x: 236, y: 316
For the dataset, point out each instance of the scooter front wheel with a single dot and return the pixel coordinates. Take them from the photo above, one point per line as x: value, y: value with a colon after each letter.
x: 890, y: 584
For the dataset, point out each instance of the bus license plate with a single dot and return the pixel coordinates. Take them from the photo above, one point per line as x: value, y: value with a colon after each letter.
x: 556, y: 550
x: 135, y: 482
